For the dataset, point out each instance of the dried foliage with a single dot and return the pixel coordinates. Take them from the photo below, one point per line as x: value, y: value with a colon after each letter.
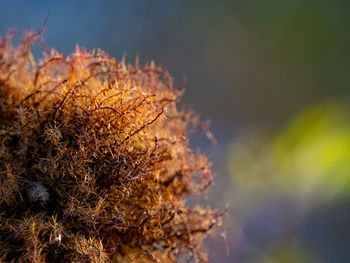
x: 94, y: 161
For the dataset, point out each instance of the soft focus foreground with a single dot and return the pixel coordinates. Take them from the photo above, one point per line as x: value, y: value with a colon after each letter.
x: 95, y: 162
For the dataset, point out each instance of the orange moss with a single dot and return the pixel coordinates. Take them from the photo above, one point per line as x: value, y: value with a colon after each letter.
x: 94, y: 161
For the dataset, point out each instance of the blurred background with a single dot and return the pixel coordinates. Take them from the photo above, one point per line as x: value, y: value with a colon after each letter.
x: 274, y: 79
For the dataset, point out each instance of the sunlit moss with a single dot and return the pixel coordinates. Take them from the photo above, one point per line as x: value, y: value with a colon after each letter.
x: 95, y: 162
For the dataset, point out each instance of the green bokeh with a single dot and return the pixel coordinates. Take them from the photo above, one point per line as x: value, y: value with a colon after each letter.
x: 308, y: 161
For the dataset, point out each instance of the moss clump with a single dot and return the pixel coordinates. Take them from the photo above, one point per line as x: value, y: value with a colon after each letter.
x: 94, y: 161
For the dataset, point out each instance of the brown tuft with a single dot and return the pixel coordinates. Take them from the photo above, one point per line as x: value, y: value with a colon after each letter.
x: 94, y: 161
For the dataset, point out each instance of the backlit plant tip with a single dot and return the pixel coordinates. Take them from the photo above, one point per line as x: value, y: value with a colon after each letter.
x: 95, y: 162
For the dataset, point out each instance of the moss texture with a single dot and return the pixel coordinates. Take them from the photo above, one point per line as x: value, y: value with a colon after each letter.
x: 94, y: 161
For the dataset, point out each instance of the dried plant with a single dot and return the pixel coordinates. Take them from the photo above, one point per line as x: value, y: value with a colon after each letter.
x: 94, y: 161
